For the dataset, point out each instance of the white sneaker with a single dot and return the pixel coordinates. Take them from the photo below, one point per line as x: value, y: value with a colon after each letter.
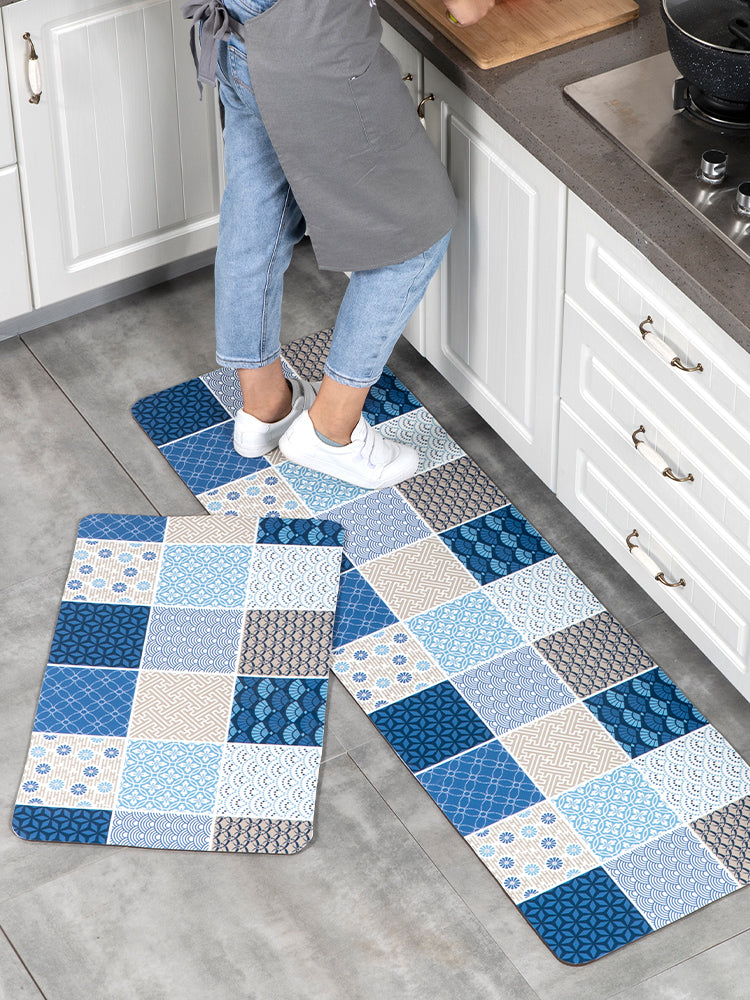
x: 369, y: 460
x: 253, y: 438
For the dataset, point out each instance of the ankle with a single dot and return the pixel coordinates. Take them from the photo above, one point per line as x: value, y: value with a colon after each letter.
x: 337, y: 431
x: 271, y: 408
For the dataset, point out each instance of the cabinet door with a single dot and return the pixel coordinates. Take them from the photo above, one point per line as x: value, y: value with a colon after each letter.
x: 7, y: 145
x: 118, y: 161
x: 409, y: 60
x: 494, y: 316
x: 15, y: 295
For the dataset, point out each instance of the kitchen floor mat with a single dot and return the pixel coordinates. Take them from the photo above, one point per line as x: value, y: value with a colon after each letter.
x: 184, y: 701
x: 599, y: 797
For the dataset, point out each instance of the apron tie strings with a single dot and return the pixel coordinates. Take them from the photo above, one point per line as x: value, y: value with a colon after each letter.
x: 218, y: 25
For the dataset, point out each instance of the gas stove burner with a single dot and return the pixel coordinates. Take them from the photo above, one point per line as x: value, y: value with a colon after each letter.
x: 709, y: 110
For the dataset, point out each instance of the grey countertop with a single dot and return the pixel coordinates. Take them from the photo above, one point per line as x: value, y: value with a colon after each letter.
x: 526, y: 99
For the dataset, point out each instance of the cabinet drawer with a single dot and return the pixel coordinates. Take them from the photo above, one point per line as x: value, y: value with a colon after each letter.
x: 613, y: 396
x: 713, y: 608
x: 7, y: 143
x: 15, y: 294
x: 618, y: 288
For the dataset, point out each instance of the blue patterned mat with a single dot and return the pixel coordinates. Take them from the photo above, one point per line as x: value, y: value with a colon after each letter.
x: 184, y: 700
x: 601, y: 800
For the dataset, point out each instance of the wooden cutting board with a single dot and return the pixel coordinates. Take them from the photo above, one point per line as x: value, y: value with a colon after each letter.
x: 513, y: 29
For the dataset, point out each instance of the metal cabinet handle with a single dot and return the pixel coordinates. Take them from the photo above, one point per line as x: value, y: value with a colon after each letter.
x: 663, y: 350
x: 420, y: 106
x: 655, y: 459
x: 646, y: 561
x: 34, y: 71
x: 407, y: 77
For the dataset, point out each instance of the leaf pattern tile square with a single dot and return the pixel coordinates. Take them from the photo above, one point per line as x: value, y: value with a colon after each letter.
x: 189, y: 718
x: 528, y: 651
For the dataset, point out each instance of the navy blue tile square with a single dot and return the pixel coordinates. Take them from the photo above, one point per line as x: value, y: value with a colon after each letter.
x: 83, y: 826
x: 300, y: 531
x: 359, y: 610
x: 123, y: 527
x: 430, y: 726
x: 99, y: 635
x: 645, y: 712
x: 480, y: 787
x: 83, y: 700
x: 281, y: 710
x: 177, y: 411
x: 584, y: 918
x: 496, y: 544
x: 388, y: 398
x: 207, y: 459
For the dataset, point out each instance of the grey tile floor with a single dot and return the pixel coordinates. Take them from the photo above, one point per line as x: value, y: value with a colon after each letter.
x: 388, y: 903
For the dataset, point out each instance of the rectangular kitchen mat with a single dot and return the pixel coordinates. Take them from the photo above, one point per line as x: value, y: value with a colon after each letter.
x: 602, y: 801
x: 184, y: 701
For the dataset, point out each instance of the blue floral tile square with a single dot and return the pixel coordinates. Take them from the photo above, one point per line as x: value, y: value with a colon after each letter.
x: 430, y: 726
x: 585, y: 918
x: 282, y: 710
x: 397, y: 525
x: 645, y: 712
x: 516, y: 688
x: 479, y: 787
x: 497, y: 544
x: 167, y: 777
x: 204, y: 576
x: 83, y: 700
x: 178, y: 411
x: 319, y: 493
x: 299, y: 531
x: 99, y: 635
x: 464, y: 632
x: 359, y: 610
x: 388, y: 398
x: 670, y: 876
x: 207, y: 459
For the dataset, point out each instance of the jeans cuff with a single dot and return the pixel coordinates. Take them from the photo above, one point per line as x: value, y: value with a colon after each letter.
x: 353, y: 382
x: 244, y: 363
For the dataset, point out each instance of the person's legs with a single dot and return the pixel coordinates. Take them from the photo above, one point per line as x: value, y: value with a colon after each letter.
x: 373, y: 313
x: 259, y: 225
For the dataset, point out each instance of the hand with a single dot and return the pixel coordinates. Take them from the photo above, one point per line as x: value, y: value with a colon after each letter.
x: 468, y: 11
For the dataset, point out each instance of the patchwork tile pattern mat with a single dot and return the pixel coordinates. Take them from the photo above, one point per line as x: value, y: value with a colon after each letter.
x: 184, y: 701
x: 599, y: 797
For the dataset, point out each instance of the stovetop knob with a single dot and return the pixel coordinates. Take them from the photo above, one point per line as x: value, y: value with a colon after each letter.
x: 714, y: 166
x: 743, y: 198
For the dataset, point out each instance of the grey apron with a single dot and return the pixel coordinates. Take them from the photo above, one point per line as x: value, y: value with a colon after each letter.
x: 365, y: 175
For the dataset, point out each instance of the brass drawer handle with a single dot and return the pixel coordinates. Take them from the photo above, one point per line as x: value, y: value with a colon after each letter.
x: 654, y: 458
x: 34, y: 71
x: 420, y: 106
x: 648, y: 563
x: 407, y: 77
x: 663, y: 350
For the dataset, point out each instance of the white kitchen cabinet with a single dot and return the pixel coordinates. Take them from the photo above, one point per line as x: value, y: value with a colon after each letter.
x: 15, y: 294
x: 7, y: 143
x: 695, y: 423
x: 118, y: 161
x: 494, y: 309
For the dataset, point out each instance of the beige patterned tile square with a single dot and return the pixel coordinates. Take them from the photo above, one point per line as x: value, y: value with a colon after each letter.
x: 258, y: 495
x: 533, y: 851
x: 185, y: 707
x: 286, y: 642
x: 419, y: 577
x: 203, y: 530
x: 452, y: 493
x: 385, y: 667
x: 113, y: 572
x: 71, y: 771
x: 564, y: 749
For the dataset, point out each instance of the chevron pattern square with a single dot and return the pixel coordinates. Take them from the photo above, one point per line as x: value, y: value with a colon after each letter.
x: 564, y: 749
x: 449, y: 588
x: 419, y: 577
x: 181, y: 715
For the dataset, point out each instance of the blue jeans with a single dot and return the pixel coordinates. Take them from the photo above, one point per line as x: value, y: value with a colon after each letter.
x: 259, y: 225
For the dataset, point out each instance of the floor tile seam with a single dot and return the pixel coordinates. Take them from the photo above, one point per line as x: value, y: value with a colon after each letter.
x: 91, y: 427
x: 439, y: 870
x: 26, y: 969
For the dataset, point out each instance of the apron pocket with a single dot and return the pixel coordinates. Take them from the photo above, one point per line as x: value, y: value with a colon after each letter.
x: 386, y: 110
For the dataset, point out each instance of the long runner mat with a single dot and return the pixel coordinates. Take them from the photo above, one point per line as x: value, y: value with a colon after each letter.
x: 602, y: 801
x: 184, y: 701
